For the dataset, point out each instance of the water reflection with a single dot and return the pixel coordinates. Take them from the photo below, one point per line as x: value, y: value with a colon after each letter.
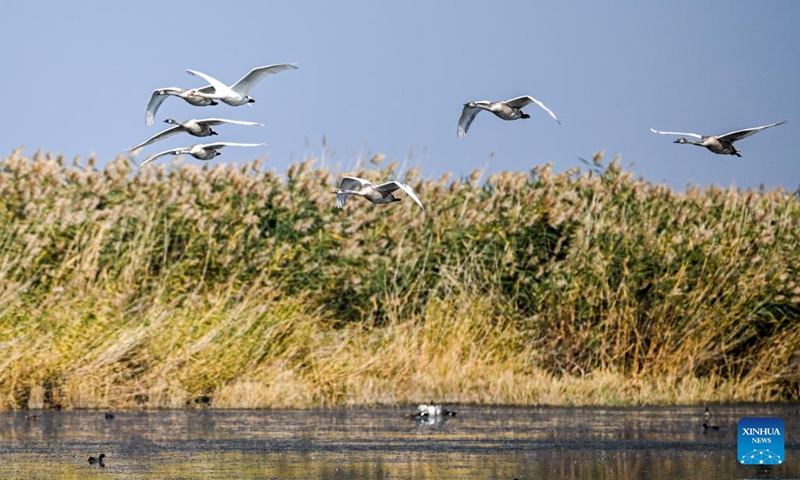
x: 481, y: 442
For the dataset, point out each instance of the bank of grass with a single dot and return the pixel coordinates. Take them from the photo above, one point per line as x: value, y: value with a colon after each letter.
x: 232, y: 287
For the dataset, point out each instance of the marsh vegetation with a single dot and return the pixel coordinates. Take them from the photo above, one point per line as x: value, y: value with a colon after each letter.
x: 235, y: 287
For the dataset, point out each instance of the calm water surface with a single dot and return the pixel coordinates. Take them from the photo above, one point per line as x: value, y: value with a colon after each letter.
x: 479, y: 443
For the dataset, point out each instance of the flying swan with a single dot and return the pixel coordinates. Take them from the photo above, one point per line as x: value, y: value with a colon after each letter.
x: 201, y: 151
x: 377, y: 194
x: 721, y: 144
x: 507, y: 110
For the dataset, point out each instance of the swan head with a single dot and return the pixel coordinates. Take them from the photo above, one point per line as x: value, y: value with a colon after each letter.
x: 680, y: 140
x: 172, y: 121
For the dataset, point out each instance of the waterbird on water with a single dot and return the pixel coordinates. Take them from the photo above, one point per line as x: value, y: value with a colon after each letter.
x: 707, y: 427
x: 109, y: 416
x: 377, y: 194
x: 721, y: 144
x: 507, y: 110
x: 93, y: 460
x: 433, y: 410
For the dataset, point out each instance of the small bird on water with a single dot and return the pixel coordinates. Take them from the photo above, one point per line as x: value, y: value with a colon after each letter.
x: 94, y: 460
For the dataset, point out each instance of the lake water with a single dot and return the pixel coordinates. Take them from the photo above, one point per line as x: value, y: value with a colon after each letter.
x: 479, y: 443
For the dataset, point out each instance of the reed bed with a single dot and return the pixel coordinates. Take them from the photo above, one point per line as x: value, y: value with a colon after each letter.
x: 235, y: 287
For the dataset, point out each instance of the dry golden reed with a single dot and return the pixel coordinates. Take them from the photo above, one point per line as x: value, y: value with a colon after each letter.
x: 232, y: 287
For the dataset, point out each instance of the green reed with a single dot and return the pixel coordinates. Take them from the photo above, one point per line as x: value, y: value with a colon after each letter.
x: 237, y: 287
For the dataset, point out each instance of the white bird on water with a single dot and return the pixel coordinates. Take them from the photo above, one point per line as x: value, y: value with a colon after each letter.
x: 198, y: 128
x: 507, y: 110
x: 201, y: 151
x: 238, y: 93
x: 160, y: 94
x: 377, y: 194
x: 432, y: 410
x: 721, y: 144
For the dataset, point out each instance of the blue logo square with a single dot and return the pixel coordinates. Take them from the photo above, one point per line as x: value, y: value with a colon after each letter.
x: 760, y: 441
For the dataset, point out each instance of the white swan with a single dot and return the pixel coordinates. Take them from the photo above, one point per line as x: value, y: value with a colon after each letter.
x: 160, y: 94
x: 377, y: 194
x: 237, y: 94
x: 201, y: 151
x: 721, y: 144
x: 507, y: 110
x: 198, y: 128
x: 432, y: 410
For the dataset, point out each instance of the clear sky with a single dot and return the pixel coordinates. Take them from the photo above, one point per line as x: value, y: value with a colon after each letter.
x: 391, y: 77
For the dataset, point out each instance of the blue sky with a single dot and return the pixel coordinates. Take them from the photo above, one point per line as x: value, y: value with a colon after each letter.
x: 379, y: 77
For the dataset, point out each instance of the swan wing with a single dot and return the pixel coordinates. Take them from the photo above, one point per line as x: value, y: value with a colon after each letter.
x: 174, y: 151
x: 349, y: 183
x: 525, y: 100
x: 465, y: 120
x: 395, y: 185
x: 353, y: 183
x: 220, y: 121
x: 215, y: 84
x: 218, y: 145
x: 676, y: 133
x: 243, y: 86
x: 740, y: 134
x: 157, y: 137
x: 156, y: 99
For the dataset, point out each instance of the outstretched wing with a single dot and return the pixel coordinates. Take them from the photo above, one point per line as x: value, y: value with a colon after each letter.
x: 174, y: 151
x: 215, y: 84
x: 156, y: 99
x: 525, y: 100
x: 243, y: 86
x: 395, y: 185
x: 349, y: 183
x: 352, y: 183
x: 220, y: 121
x: 218, y: 145
x: 467, y: 116
x: 740, y: 134
x: 677, y: 133
x: 159, y: 136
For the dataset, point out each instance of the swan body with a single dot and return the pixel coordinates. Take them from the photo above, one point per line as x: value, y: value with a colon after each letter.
x: 198, y: 128
x: 507, y: 110
x: 377, y: 194
x: 200, y: 151
x: 238, y: 93
x: 720, y: 144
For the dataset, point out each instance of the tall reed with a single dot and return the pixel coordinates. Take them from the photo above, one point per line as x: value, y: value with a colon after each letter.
x: 238, y: 287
